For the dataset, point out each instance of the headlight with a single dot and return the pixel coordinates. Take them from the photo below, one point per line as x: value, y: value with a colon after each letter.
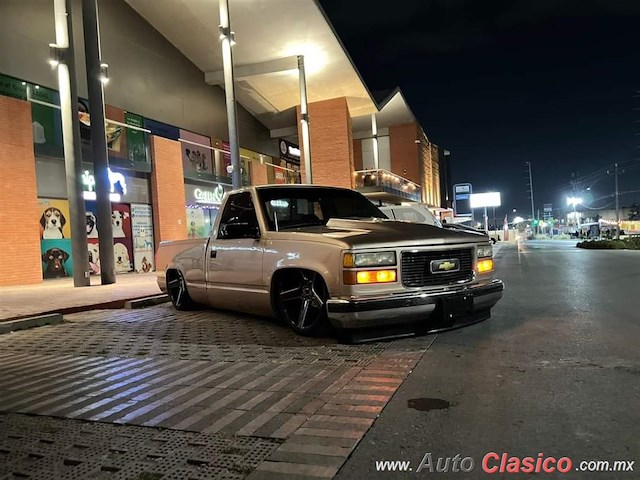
x: 376, y: 259
x: 485, y: 251
x: 485, y: 265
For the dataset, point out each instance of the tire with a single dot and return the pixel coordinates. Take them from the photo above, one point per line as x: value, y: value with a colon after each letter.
x: 301, y: 301
x: 177, y: 290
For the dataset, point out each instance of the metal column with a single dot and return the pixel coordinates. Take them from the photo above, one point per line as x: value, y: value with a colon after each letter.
x: 98, y: 140
x: 486, y: 221
x: 374, y: 133
x: 230, y: 93
x: 304, y: 121
x: 71, y: 141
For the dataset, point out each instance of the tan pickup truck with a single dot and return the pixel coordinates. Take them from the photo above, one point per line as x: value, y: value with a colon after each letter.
x: 314, y: 255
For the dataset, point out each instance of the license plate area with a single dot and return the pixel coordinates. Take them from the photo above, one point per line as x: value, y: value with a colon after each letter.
x: 455, y: 305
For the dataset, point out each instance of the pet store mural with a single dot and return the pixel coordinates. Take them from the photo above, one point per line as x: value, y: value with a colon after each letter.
x: 55, y: 236
x: 142, y: 229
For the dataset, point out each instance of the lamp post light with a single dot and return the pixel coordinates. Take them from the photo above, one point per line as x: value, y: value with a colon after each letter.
x: 574, y: 201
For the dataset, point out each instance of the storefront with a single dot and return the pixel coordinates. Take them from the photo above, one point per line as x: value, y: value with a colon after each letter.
x: 288, y: 168
x: 203, y: 201
x: 131, y: 218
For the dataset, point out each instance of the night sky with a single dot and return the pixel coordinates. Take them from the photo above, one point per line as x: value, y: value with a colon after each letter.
x: 503, y: 82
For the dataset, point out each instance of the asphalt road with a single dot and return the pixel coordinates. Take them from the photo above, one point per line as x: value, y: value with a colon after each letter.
x: 554, y: 371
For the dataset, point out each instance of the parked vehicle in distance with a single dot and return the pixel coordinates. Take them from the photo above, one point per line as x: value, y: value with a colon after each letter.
x: 417, y: 212
x: 314, y: 255
x: 465, y: 228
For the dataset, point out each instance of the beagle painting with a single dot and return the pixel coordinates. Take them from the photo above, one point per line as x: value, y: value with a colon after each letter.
x: 52, y: 221
x: 54, y: 259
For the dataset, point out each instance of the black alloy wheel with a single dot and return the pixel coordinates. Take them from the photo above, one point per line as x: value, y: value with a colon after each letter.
x: 177, y: 288
x: 301, y: 299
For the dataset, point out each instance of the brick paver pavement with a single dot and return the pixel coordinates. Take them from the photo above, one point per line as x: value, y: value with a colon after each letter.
x: 60, y: 295
x: 218, y: 375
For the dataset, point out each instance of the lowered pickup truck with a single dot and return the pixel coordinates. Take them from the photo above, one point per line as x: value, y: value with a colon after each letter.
x: 311, y: 255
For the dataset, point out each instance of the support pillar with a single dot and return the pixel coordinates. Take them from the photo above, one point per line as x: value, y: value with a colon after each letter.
x: 304, y: 121
x: 374, y: 134
x: 226, y: 39
x: 99, y: 140
x: 71, y: 141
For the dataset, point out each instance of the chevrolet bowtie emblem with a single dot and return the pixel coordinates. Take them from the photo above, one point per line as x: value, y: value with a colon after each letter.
x: 446, y: 266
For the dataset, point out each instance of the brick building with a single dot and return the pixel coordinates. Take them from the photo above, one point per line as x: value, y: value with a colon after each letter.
x: 167, y: 125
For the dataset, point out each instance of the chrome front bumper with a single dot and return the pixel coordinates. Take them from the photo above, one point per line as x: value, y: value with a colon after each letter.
x: 407, y: 307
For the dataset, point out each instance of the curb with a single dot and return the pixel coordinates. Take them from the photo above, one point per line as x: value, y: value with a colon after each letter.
x: 30, y: 322
x: 110, y: 305
x: 147, y: 301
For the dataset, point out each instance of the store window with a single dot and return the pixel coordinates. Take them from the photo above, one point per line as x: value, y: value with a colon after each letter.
x: 203, y: 201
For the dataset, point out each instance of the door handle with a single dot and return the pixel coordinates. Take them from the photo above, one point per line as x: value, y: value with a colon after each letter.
x: 213, y: 253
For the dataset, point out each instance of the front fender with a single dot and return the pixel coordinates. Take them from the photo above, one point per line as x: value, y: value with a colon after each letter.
x: 323, y: 259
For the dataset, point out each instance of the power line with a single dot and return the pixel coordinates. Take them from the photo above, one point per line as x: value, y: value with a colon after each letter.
x: 599, y: 174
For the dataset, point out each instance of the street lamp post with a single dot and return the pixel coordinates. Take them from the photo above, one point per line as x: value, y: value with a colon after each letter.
x: 574, y: 201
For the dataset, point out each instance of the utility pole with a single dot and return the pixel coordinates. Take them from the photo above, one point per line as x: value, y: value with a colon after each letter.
x: 533, y: 213
x: 617, y: 171
x: 617, y: 204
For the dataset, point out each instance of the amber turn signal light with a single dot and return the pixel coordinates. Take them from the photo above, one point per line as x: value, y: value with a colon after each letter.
x: 369, y: 276
x: 485, y: 266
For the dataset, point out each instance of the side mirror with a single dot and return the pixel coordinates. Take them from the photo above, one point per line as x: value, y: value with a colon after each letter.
x: 239, y: 230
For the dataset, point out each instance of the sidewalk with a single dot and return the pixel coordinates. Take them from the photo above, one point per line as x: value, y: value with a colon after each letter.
x: 60, y: 295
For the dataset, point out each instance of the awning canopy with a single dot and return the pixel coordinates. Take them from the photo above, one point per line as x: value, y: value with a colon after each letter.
x: 265, y: 31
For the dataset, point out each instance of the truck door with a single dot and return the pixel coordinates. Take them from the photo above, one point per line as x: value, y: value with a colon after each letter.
x: 234, y: 255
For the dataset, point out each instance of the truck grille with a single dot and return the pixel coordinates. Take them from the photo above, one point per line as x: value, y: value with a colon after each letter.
x: 416, y: 271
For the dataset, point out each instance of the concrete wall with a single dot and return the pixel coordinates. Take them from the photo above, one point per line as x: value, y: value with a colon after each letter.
x: 148, y: 75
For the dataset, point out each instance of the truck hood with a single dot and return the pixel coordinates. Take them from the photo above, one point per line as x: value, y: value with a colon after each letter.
x: 379, y: 232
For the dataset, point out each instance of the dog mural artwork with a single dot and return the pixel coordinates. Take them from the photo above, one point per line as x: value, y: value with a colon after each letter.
x: 52, y: 222
x: 146, y: 265
x: 117, y: 220
x: 54, y: 259
x: 94, y: 258
x: 92, y: 225
x: 121, y: 254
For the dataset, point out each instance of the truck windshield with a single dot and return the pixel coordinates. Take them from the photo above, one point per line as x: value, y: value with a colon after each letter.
x: 295, y: 207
